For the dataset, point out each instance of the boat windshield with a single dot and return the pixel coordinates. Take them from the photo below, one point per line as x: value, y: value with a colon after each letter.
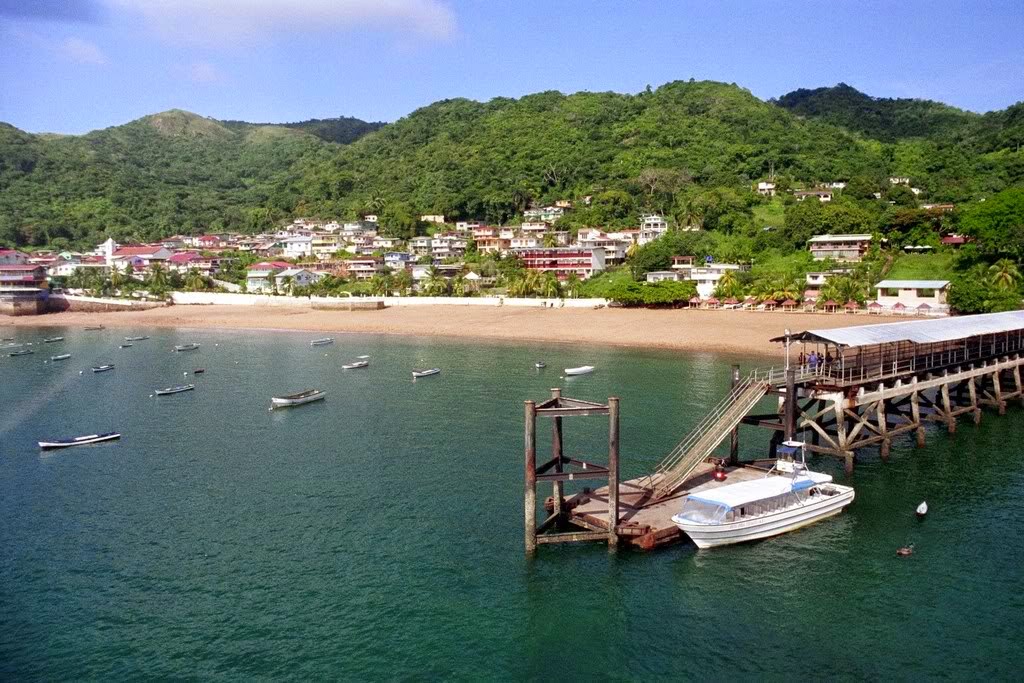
x: 698, y: 511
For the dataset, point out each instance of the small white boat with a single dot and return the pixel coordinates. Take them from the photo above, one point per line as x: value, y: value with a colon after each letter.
x: 356, y: 365
x: 103, y: 368
x: 63, y: 356
x: 50, y: 340
x: 125, y: 346
x: 174, y: 390
x: 922, y: 509
x: 322, y: 342
x: 135, y: 339
x: 540, y: 365
x: 789, y: 497
x: 23, y: 352
x: 186, y: 347
x: 581, y: 370
x: 298, y: 399
x: 362, y: 357
x: 79, y: 441
x: 425, y: 373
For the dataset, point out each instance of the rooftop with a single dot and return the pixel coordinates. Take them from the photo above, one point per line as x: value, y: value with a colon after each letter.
x: 912, y: 284
x: 917, y: 331
x: 839, y: 238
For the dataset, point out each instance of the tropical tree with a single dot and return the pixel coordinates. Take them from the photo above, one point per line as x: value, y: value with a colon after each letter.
x: 572, y: 285
x: 728, y: 285
x: 286, y: 283
x: 403, y: 282
x: 550, y: 240
x: 1004, y: 274
x: 437, y: 283
x: 549, y: 286
x: 157, y: 278
x: 381, y: 285
x: 459, y: 285
x: 194, y: 280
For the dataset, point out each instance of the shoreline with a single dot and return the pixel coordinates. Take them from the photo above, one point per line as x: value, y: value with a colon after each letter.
x: 728, y: 331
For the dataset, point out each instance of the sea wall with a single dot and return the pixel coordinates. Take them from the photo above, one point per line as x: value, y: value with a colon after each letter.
x: 93, y: 304
x: 362, y: 303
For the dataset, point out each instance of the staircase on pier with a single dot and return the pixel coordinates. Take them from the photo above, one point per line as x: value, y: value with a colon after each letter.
x: 706, y: 436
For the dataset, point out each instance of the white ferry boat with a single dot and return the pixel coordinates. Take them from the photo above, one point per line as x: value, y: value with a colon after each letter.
x: 787, y: 498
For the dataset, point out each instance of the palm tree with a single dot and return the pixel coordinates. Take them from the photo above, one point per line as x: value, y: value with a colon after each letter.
x: 403, y: 282
x: 437, y: 284
x: 550, y: 240
x: 728, y: 285
x: 286, y: 283
x: 572, y: 285
x: 549, y: 286
x: 532, y: 283
x: 157, y: 280
x: 459, y: 285
x: 1004, y: 274
x: 380, y: 285
x: 195, y: 281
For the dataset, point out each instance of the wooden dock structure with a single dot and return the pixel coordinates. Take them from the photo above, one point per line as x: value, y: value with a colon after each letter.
x: 873, y: 384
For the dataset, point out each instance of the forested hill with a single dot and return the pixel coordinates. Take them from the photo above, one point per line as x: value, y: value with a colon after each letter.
x: 178, y: 172
x: 342, y: 129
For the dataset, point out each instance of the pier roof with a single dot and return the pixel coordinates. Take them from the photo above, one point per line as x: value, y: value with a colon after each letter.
x: 916, y: 331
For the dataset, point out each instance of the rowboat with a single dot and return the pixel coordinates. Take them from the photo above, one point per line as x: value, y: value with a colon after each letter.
x: 307, y: 396
x: 357, y: 364
x: 135, y: 339
x: 581, y: 370
x: 63, y: 356
x: 103, y: 368
x: 94, y: 327
x: 922, y: 509
x: 322, y: 342
x: 540, y: 364
x: 125, y: 346
x: 23, y: 352
x: 174, y: 390
x: 425, y: 373
x: 186, y: 347
x: 789, y: 497
x: 198, y: 371
x: 50, y: 340
x: 79, y: 441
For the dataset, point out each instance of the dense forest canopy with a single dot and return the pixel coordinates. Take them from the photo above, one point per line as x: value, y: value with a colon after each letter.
x: 690, y: 149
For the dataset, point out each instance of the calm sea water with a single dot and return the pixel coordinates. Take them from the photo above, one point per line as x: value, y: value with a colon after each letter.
x: 378, y: 534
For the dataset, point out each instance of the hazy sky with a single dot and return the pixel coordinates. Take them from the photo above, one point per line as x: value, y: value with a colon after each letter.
x: 71, y: 66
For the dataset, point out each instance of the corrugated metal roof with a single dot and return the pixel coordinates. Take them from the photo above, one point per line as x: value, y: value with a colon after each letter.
x: 917, y: 331
x: 912, y: 284
x: 841, y: 238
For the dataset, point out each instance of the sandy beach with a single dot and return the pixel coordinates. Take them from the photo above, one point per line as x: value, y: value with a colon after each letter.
x: 745, y: 332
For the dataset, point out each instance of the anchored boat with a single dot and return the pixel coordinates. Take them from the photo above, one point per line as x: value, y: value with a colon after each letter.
x: 186, y: 347
x: 135, y: 339
x: 540, y: 365
x: 23, y: 352
x: 425, y: 373
x: 298, y: 399
x: 174, y: 390
x: 63, y: 356
x: 322, y: 342
x: 582, y: 370
x: 50, y: 340
x: 94, y: 327
x: 103, y: 368
x: 79, y: 441
x: 787, y: 498
x: 355, y: 365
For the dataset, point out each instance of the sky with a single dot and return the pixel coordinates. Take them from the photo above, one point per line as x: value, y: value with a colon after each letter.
x: 70, y: 66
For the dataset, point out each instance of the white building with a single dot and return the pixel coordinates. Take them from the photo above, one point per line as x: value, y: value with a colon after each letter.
x: 765, y: 188
x: 433, y: 218
x: 663, y: 276
x: 706, y: 276
x: 298, y: 247
x: 295, y: 277
x: 920, y: 295
x: 652, y: 226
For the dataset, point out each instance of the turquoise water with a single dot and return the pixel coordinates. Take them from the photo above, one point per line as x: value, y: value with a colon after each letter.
x: 378, y: 534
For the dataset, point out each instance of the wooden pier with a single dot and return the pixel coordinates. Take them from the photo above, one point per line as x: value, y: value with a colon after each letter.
x: 875, y: 383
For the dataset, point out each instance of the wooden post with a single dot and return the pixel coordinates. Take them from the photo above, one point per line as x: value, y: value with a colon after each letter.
x: 997, y: 389
x: 1016, y: 380
x: 557, y: 491
x: 790, y: 415
x: 972, y: 391
x: 915, y: 412
x: 530, y: 470
x: 883, y: 426
x: 734, y: 436
x: 948, y: 408
x: 613, y: 472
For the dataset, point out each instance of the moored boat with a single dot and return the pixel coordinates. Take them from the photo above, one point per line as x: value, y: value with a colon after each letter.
x: 63, y: 356
x: 94, y: 327
x: 540, y: 365
x: 125, y: 346
x: 307, y: 396
x: 198, y: 371
x: 135, y: 339
x: 186, y: 347
x: 22, y: 352
x: 174, y: 390
x: 581, y: 370
x: 322, y: 342
x: 355, y: 365
x: 79, y: 441
x: 425, y: 373
x: 51, y: 340
x: 103, y: 368
x: 789, y: 497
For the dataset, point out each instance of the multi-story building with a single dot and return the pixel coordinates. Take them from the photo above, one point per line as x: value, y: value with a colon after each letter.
x: 563, y: 260
x: 839, y: 247
x: 766, y: 188
x: 615, y: 249
x: 493, y: 245
x: 821, y: 195
x: 652, y: 226
x: 706, y: 277
x: 324, y: 245
x: 361, y: 269
x: 23, y: 289
x: 421, y: 246
x: 260, y: 277
x: 299, y: 246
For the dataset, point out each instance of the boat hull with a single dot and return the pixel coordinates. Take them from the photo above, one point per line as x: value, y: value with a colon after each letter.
x: 80, y: 441
x: 766, y: 526
x: 188, y: 347
x: 174, y: 390
x: 355, y: 366
x: 425, y: 373
x: 288, y: 402
x: 573, y: 372
x: 321, y: 342
x: 61, y: 357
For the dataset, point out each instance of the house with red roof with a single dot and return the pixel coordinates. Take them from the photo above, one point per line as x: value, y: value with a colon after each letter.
x: 141, y: 257
x: 260, y: 277
x: 12, y: 257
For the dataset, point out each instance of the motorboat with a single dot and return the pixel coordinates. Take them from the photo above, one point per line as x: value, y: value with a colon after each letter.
x: 540, y: 365
x: 174, y: 390
x: 94, y: 327
x: 322, y: 342
x: 103, y: 368
x: 22, y: 352
x: 125, y: 346
x: 789, y: 497
x: 135, y: 339
x: 355, y: 365
x: 198, y: 371
x: 307, y: 396
x: 79, y: 441
x: 63, y: 356
x: 186, y: 347
x: 51, y: 340
x: 425, y: 373
x: 582, y: 370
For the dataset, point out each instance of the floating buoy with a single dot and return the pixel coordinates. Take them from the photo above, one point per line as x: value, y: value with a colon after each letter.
x: 81, y: 372
x: 905, y: 550
x: 922, y: 509
x: 185, y: 374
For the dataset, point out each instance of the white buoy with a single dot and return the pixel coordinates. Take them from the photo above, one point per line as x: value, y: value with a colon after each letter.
x: 185, y: 374
x: 81, y: 372
x: 922, y: 509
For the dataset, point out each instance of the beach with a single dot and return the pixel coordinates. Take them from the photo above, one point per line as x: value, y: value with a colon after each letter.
x: 732, y: 331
